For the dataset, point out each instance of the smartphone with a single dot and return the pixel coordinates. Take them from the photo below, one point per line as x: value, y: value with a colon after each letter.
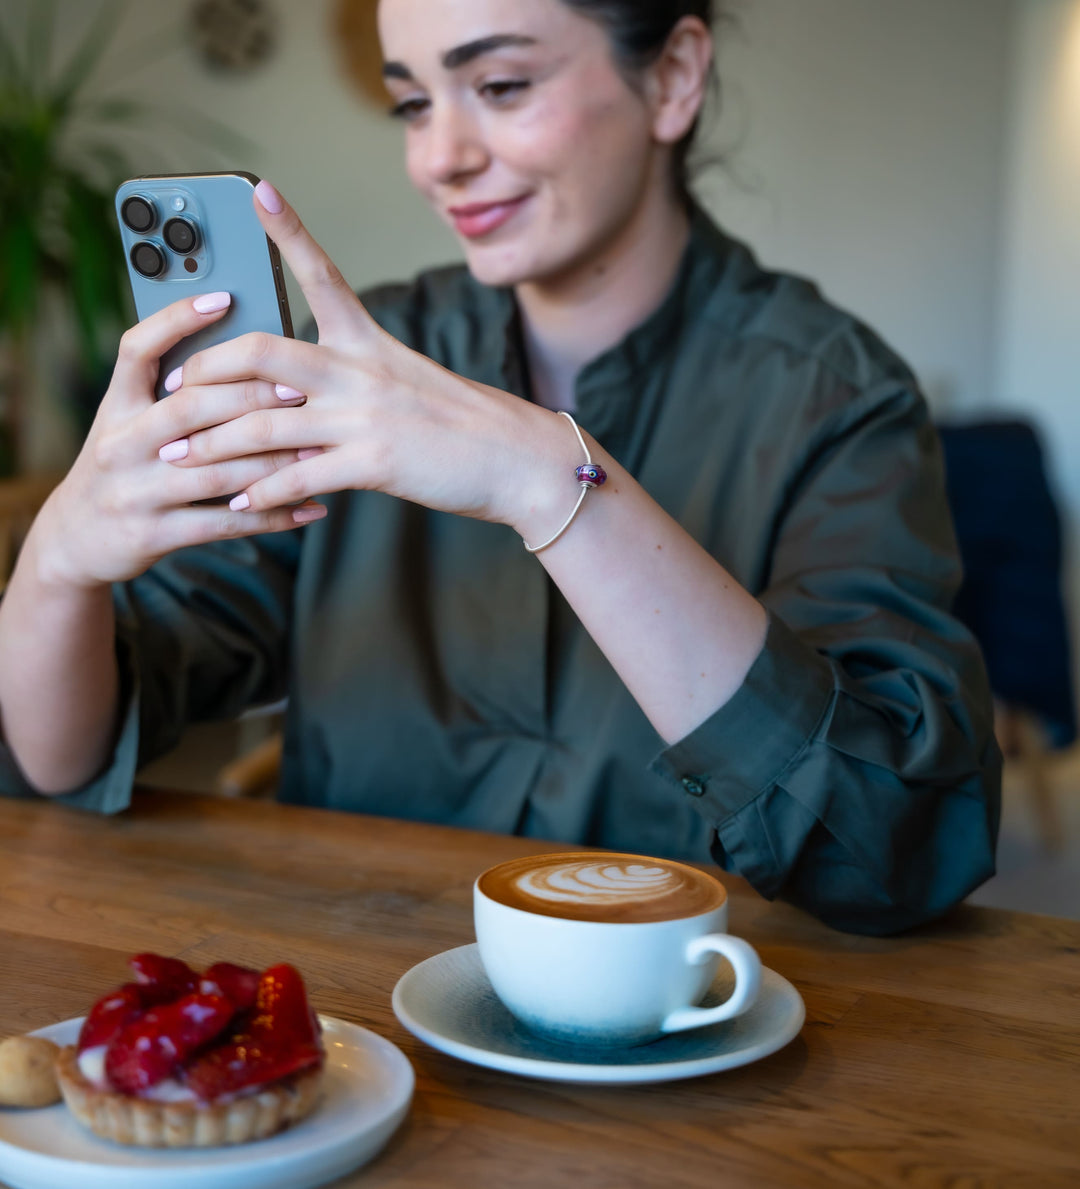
x: 186, y: 234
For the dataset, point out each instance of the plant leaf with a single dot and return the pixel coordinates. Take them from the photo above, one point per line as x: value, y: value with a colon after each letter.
x: 94, y: 256
x: 11, y: 74
x: 39, y: 43
x: 19, y: 280
x: 88, y: 54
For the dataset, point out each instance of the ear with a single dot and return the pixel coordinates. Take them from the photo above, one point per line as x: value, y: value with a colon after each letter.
x: 678, y: 78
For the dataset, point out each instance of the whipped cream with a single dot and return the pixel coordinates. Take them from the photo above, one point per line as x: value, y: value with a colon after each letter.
x: 92, y: 1067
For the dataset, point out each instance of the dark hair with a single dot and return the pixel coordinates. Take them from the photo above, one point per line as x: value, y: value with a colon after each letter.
x: 639, y: 30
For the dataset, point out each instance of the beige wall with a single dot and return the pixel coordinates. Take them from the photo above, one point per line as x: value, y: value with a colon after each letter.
x: 870, y: 147
x: 1039, y: 343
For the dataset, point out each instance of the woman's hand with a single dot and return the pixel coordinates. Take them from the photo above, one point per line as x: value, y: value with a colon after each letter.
x: 378, y: 415
x: 122, y: 506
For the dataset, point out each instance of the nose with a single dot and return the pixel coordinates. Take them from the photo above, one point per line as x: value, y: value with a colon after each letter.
x: 453, y: 147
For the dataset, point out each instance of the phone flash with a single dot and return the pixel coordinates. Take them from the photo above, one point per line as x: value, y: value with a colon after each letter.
x: 178, y: 203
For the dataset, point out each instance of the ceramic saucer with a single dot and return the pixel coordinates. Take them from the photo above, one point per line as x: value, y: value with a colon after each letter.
x: 448, y: 1002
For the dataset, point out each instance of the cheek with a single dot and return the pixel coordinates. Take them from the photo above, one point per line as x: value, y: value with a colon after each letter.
x: 578, y: 144
x: 414, y: 164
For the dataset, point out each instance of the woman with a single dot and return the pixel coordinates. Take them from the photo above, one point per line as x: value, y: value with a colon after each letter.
x: 738, y: 645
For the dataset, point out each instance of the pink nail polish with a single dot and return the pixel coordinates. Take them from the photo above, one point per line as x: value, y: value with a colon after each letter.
x: 307, y: 515
x: 269, y: 197
x: 239, y: 502
x: 286, y: 393
x: 174, y: 451
x: 174, y: 379
x: 210, y: 303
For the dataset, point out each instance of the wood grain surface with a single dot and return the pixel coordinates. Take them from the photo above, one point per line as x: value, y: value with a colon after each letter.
x: 947, y: 1057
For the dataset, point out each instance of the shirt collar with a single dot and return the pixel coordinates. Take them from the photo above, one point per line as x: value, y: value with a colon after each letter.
x: 608, y: 386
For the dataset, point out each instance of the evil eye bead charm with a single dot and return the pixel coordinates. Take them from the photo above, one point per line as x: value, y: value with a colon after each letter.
x: 589, y: 474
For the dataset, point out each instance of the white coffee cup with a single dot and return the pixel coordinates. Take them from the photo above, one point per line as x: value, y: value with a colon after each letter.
x: 632, y: 973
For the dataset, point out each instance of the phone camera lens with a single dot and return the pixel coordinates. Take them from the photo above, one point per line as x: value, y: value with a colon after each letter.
x: 138, y: 213
x: 148, y: 259
x: 181, y: 236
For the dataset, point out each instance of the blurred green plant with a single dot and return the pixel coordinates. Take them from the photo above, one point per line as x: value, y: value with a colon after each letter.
x: 63, y: 151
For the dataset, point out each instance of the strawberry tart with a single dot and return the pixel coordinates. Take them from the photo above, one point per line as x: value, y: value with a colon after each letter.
x: 182, y: 1059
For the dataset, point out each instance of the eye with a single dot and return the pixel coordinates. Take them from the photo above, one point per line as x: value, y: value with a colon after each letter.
x: 409, y: 109
x: 502, y: 90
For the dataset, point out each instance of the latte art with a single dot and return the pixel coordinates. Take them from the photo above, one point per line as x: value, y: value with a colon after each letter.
x: 605, y: 887
x: 593, y: 883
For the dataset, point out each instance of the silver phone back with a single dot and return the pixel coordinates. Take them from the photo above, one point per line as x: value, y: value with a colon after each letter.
x: 232, y: 253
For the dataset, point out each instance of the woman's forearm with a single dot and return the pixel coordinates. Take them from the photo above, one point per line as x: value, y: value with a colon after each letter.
x: 59, y: 685
x: 677, y: 628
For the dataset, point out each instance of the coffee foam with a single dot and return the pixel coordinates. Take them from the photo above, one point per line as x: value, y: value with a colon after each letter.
x: 606, y: 887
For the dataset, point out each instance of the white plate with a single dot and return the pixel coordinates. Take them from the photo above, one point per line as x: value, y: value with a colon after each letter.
x: 367, y: 1091
x: 448, y: 1002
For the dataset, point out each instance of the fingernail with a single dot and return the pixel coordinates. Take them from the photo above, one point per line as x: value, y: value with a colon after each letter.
x: 287, y: 393
x: 309, y: 452
x: 239, y: 502
x: 269, y: 197
x: 174, y: 379
x: 308, y: 514
x: 174, y: 451
x: 210, y: 303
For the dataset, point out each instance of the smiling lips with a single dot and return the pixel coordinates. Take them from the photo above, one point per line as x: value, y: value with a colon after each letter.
x: 482, y: 218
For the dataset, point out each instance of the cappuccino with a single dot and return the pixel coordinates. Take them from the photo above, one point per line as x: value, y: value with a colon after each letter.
x: 617, y: 888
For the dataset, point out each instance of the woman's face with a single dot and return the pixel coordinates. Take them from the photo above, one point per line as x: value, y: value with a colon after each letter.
x: 519, y: 130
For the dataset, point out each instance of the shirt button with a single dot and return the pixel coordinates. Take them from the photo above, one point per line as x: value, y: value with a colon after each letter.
x: 694, y: 786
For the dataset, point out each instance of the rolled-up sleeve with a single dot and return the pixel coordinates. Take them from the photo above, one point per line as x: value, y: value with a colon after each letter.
x: 855, y: 771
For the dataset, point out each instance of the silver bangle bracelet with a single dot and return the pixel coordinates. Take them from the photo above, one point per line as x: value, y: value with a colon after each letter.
x: 589, y: 475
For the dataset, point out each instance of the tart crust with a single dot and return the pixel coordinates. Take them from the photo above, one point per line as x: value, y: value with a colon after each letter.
x: 143, y: 1123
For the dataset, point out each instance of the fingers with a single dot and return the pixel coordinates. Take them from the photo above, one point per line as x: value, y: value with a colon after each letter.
x: 142, y: 347
x: 260, y: 432
x: 192, y: 409
x: 310, y: 474
x: 196, y: 526
x: 192, y: 485
x: 335, y: 307
x: 260, y: 356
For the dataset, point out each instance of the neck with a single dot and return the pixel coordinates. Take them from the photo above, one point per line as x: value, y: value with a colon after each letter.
x: 576, y: 315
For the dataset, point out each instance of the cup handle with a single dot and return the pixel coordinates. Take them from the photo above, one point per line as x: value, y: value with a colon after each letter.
x: 747, y: 965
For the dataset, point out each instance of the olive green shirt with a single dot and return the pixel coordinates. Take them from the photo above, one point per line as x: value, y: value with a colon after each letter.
x: 434, y: 671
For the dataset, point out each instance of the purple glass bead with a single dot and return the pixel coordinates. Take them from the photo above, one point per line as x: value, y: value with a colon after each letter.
x: 590, y: 474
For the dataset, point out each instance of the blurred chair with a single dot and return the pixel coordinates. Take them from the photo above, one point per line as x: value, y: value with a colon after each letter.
x: 20, y: 499
x: 254, y: 773
x: 1009, y: 533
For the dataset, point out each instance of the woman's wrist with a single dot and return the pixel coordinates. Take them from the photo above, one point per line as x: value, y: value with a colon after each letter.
x: 546, y: 487
x: 48, y: 560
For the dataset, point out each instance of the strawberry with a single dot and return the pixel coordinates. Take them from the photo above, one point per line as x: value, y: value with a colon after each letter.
x: 281, y: 1037
x: 110, y: 1014
x: 166, y: 978
x: 238, y: 984
x: 152, y: 1047
x: 237, y: 1064
x: 281, y: 1008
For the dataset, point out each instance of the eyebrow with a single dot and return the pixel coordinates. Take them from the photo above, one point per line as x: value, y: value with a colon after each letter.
x: 461, y: 55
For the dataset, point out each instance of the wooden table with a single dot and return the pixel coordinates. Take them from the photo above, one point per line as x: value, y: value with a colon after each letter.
x: 949, y: 1057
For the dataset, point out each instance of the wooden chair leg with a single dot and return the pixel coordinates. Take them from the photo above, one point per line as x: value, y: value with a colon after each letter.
x: 254, y: 773
x: 1022, y: 741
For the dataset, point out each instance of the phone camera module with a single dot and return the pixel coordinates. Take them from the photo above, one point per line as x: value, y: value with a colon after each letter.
x: 138, y: 213
x: 148, y: 259
x: 181, y: 236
